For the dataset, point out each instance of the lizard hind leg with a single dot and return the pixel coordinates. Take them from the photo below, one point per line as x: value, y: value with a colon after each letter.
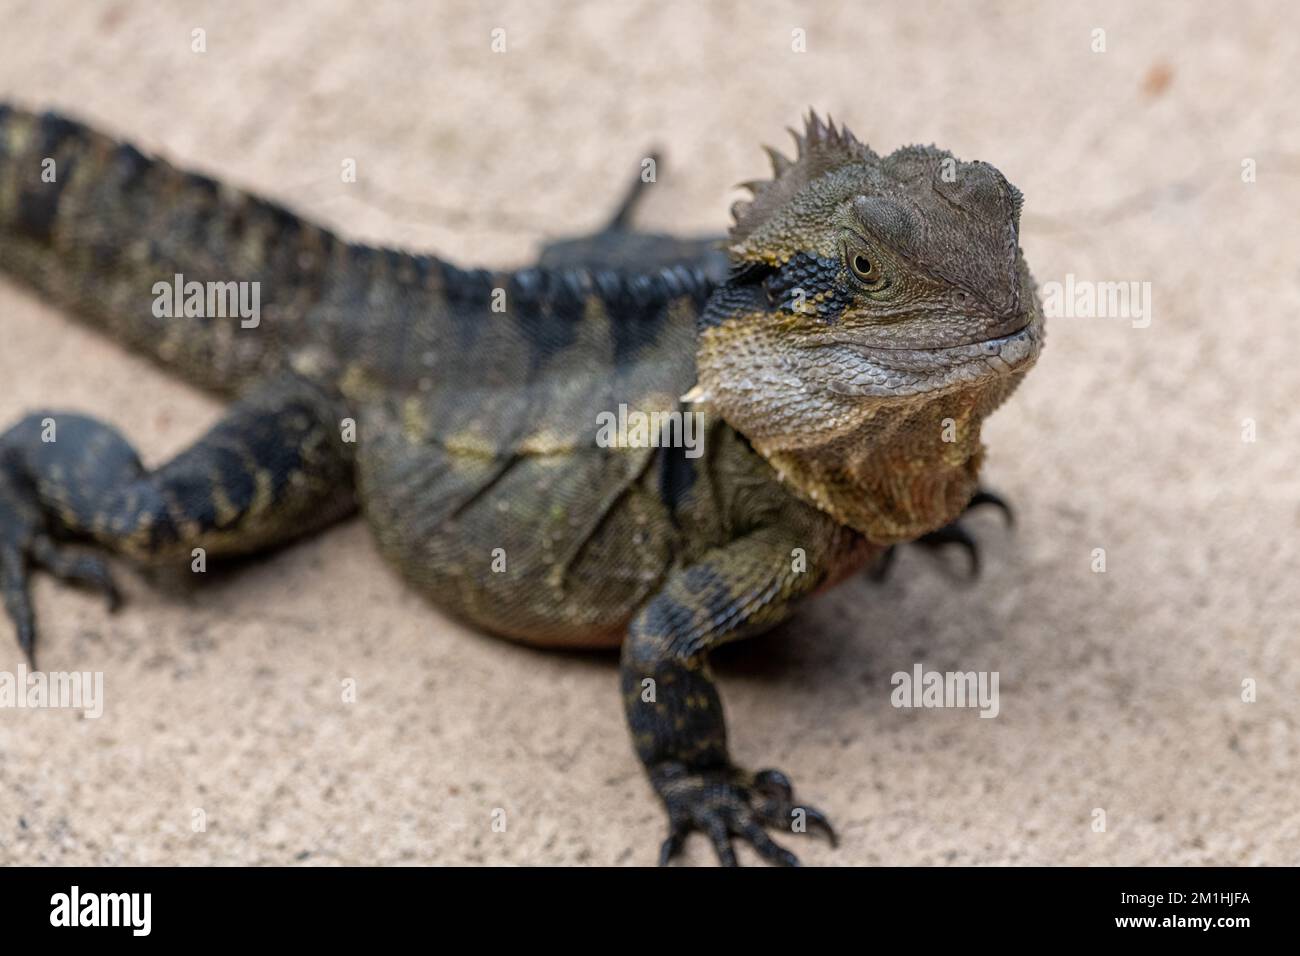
x: 621, y: 247
x: 621, y: 221
x: 274, y: 468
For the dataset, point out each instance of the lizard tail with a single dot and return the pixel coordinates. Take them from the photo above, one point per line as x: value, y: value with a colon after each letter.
x: 210, y: 281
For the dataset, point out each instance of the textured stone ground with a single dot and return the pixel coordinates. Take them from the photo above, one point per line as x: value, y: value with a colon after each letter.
x: 1119, y: 691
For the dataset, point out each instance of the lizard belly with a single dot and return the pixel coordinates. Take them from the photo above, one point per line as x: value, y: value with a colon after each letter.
x: 550, y: 549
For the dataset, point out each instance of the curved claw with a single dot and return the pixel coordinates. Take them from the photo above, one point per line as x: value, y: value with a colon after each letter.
x: 818, y: 820
x: 673, y: 844
x: 955, y: 534
x: 983, y: 497
x: 798, y: 819
x: 952, y: 533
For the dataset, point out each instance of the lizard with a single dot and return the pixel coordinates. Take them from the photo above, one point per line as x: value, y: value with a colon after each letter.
x: 837, y: 354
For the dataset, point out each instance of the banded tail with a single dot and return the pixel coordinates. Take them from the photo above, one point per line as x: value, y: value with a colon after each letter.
x: 103, y: 230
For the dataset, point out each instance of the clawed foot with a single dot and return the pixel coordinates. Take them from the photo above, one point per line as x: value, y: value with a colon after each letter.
x: 25, y: 546
x: 726, y: 802
x: 953, y: 533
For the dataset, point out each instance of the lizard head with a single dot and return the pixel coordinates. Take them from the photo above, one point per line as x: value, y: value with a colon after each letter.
x: 877, y: 309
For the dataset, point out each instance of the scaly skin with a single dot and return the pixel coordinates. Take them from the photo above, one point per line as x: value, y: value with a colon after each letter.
x: 876, y: 310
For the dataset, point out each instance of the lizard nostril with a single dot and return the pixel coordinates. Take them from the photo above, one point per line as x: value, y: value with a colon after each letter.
x: 960, y: 299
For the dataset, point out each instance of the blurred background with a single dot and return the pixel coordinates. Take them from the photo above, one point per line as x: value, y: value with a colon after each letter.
x: 1120, y: 691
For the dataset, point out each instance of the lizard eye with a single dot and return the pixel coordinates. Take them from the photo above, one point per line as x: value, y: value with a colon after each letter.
x: 865, y: 270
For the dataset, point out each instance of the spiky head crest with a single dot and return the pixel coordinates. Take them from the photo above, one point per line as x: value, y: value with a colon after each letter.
x: 821, y: 148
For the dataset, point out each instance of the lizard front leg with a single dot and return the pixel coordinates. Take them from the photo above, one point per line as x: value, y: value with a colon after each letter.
x: 275, y: 467
x: 672, y: 703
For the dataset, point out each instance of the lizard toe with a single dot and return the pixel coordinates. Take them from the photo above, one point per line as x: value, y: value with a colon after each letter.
x: 986, y: 497
x: 25, y: 546
x: 726, y: 804
x: 85, y: 570
x: 785, y: 814
x: 20, y: 523
x: 18, y: 600
x: 956, y: 533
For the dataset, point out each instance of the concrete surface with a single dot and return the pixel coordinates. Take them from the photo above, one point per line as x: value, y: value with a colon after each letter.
x: 1120, y: 691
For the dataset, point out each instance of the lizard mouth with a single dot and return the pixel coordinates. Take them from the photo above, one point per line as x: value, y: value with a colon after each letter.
x: 883, y: 372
